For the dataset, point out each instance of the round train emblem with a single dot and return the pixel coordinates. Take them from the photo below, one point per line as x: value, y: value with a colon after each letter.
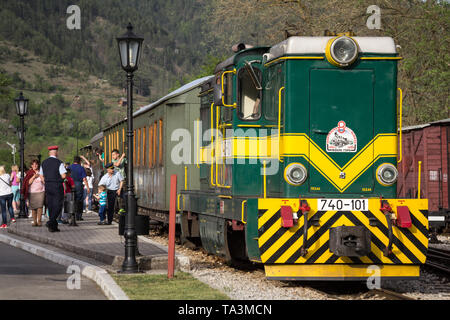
x: 341, y: 139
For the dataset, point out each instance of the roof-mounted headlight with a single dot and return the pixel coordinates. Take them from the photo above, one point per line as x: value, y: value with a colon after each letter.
x: 387, y: 174
x: 341, y: 51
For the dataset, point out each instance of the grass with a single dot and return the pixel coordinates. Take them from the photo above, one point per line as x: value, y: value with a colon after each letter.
x: 182, y: 286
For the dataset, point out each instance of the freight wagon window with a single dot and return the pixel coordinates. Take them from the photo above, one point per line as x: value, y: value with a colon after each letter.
x: 249, y: 96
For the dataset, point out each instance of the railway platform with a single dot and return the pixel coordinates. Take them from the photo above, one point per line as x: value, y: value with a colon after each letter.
x: 99, y: 242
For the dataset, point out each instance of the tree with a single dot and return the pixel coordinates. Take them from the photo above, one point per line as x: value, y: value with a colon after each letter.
x: 420, y: 28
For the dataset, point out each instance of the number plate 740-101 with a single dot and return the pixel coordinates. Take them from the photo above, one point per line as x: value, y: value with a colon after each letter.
x: 343, y: 204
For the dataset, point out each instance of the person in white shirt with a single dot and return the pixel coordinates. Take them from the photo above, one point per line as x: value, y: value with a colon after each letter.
x: 6, y: 198
x: 87, y: 196
x: 113, y: 182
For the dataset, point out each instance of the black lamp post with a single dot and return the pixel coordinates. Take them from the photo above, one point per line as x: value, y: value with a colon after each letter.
x: 130, y: 50
x: 22, y: 110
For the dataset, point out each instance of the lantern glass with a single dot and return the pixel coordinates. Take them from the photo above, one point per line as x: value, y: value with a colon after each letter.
x: 21, y: 105
x: 123, y: 53
x: 129, y: 49
x: 133, y: 53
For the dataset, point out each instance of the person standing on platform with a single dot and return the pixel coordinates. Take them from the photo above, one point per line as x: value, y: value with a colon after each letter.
x: 114, y: 183
x: 87, y: 197
x: 53, y: 173
x: 34, y: 190
x: 79, y: 177
x: 15, y: 184
x: 6, y: 197
x: 68, y: 186
x: 119, y: 163
x: 101, y: 157
x: 102, y: 199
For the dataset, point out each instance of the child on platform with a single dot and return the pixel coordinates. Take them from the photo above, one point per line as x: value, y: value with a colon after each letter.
x: 68, y: 185
x: 101, y: 197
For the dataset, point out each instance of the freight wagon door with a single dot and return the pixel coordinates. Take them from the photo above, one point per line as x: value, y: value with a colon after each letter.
x: 341, y: 129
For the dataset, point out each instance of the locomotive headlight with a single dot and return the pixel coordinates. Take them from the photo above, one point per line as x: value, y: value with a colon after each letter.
x: 295, y: 174
x: 387, y: 174
x: 341, y: 51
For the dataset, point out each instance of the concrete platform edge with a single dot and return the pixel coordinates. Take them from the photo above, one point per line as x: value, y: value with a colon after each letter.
x: 100, y: 276
x: 145, y: 263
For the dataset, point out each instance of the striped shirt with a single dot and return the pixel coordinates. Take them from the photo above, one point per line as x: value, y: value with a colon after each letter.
x: 102, y: 200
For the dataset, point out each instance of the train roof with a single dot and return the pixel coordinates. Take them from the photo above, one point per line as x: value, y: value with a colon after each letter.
x: 97, y: 137
x: 232, y: 60
x: 421, y: 126
x: 179, y: 91
x: 317, y: 45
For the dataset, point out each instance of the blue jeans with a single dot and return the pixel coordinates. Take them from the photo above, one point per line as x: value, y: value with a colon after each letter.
x: 6, y: 201
x: 79, y: 199
x: 84, y: 198
x: 89, y: 196
x: 101, y: 212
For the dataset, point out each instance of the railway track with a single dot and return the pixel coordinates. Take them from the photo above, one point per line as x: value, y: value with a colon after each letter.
x: 200, y: 260
x: 354, y: 291
x: 389, y: 295
x: 439, y: 259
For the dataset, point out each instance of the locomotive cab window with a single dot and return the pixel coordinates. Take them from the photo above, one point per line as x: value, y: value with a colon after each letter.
x: 228, y: 89
x: 273, y: 82
x: 249, y: 91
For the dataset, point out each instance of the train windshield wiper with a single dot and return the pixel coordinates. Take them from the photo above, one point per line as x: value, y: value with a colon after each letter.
x: 251, y: 72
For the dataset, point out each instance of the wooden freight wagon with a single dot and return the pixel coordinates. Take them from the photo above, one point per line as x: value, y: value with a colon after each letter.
x: 428, y: 144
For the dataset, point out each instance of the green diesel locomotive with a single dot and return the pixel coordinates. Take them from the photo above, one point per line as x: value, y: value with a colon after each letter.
x: 286, y: 156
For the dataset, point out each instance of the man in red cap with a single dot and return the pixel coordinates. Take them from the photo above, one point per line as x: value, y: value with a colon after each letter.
x: 53, y: 172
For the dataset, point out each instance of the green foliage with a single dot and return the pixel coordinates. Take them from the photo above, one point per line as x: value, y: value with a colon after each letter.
x: 42, y: 85
x: 171, y: 30
x: 420, y: 29
x: 6, y: 156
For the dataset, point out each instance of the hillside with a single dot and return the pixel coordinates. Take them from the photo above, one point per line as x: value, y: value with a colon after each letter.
x: 60, y: 97
x: 173, y: 45
x: 74, y: 76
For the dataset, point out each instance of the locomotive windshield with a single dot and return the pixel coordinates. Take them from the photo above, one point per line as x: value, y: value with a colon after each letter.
x: 249, y: 93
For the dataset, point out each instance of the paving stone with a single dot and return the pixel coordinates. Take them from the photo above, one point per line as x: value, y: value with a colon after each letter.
x: 99, y: 242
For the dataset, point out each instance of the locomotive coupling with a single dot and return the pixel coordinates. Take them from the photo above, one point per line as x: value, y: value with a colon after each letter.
x: 387, y: 211
x: 350, y: 241
x: 305, y: 209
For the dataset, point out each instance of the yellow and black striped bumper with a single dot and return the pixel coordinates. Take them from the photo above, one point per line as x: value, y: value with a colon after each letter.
x: 280, y: 247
